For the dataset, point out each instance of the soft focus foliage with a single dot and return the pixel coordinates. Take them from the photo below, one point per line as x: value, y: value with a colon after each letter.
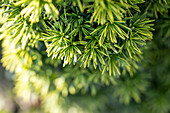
x: 88, y: 56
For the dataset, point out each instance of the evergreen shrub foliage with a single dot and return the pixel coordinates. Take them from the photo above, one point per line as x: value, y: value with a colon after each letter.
x: 83, y: 55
